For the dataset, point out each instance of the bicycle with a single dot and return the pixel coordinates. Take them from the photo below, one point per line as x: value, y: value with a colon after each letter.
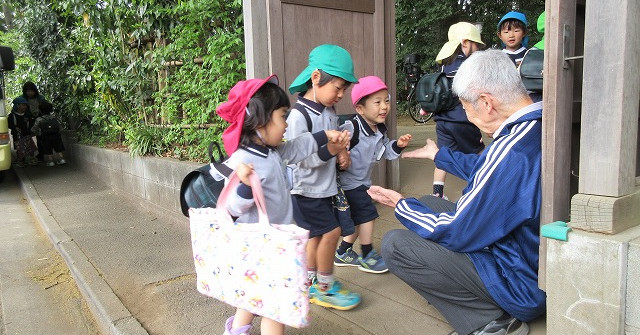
x: 413, y: 73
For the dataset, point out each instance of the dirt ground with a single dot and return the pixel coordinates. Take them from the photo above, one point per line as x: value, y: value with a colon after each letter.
x: 52, y: 274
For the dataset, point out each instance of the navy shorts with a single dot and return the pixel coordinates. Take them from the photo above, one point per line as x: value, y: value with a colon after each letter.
x: 362, y: 208
x: 314, y: 214
x: 464, y: 137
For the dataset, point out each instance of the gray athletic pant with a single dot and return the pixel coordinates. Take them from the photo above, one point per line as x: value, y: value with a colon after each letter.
x: 447, y: 280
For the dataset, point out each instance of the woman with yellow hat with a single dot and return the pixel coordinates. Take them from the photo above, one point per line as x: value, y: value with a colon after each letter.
x: 453, y: 129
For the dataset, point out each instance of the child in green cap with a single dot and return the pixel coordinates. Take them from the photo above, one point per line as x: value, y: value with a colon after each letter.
x: 540, y: 26
x: 320, y: 86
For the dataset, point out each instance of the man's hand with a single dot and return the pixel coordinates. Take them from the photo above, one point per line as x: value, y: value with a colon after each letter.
x: 384, y: 196
x: 428, y: 151
x: 404, y: 140
x: 338, y: 141
x: 244, y: 171
x: 343, y: 159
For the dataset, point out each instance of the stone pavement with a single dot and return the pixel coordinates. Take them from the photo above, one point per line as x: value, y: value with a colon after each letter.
x: 133, y: 261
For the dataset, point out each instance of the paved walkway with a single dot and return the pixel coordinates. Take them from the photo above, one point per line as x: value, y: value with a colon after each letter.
x: 134, y: 265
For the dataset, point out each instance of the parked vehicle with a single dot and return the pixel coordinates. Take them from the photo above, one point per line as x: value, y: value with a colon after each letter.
x: 6, y: 64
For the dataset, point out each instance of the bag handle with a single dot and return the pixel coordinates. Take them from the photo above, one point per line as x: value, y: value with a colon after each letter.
x: 256, y: 189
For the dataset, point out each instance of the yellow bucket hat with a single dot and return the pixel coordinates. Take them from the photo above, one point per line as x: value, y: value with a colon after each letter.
x: 458, y: 32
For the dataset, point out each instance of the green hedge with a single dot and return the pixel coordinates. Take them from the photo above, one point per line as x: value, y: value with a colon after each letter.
x: 148, y: 74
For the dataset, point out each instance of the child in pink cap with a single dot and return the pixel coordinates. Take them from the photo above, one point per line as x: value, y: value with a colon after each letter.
x: 256, y: 109
x: 371, y: 100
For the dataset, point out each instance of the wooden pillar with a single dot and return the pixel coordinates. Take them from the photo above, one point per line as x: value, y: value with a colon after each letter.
x: 256, y: 37
x: 607, y: 194
x: 393, y: 166
x: 611, y: 94
x: 556, y: 119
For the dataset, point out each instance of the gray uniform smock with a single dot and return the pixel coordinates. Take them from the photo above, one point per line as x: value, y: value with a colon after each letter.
x: 371, y: 147
x: 315, y: 176
x: 270, y: 165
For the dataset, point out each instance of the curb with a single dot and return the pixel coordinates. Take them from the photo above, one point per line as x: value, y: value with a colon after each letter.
x: 110, y: 314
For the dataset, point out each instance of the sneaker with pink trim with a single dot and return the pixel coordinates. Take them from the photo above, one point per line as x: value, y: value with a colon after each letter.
x: 244, y: 330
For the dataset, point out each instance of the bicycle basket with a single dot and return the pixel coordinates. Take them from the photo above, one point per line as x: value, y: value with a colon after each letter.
x: 433, y: 92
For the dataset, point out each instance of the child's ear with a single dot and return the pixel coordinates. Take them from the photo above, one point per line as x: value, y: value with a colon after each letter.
x: 360, y: 109
x: 315, y: 77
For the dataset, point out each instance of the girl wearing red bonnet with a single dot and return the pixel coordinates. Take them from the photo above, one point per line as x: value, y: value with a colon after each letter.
x: 256, y: 111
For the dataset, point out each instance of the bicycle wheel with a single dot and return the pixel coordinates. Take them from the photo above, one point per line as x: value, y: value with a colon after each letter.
x: 415, y: 111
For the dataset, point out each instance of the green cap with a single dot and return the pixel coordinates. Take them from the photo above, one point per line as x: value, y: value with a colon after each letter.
x: 329, y: 58
x: 540, y: 45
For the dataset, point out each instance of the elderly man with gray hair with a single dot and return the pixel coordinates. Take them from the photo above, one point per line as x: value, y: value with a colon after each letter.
x: 476, y: 260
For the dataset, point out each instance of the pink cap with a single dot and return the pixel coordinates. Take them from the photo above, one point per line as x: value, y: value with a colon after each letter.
x: 234, y: 109
x: 365, y: 86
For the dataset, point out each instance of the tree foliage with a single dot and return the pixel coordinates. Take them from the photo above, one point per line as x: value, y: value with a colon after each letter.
x: 148, y: 74
x: 422, y: 25
x: 143, y: 73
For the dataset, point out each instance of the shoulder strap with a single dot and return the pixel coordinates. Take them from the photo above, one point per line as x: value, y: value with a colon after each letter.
x: 217, y: 163
x: 303, y: 110
x: 355, y: 137
x: 221, y: 156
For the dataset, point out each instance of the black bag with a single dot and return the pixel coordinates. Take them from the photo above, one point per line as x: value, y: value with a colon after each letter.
x: 199, y: 189
x: 433, y: 92
x: 531, y: 69
x: 49, y: 125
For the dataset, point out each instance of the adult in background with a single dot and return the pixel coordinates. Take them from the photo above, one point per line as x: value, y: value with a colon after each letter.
x: 453, y: 129
x: 35, y: 99
x: 476, y: 261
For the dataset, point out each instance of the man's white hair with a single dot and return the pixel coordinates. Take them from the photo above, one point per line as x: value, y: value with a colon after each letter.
x: 489, y: 71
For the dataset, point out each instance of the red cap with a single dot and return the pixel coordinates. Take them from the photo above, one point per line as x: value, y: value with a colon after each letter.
x: 234, y: 109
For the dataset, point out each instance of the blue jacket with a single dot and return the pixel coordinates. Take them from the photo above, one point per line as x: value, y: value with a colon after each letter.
x: 497, y: 219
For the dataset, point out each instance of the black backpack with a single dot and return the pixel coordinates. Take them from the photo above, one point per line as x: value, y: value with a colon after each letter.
x: 49, y: 125
x: 199, y: 189
x: 433, y: 92
x: 531, y: 69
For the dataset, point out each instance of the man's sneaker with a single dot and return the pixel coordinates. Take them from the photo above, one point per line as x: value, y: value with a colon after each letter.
x: 373, y: 263
x: 440, y: 196
x: 244, y: 330
x: 349, y: 258
x: 336, y: 297
x: 508, y: 326
x: 61, y: 162
x: 50, y: 163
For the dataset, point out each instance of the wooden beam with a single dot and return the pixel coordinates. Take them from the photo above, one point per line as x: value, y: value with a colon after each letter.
x: 256, y: 37
x: 611, y: 97
x: 361, y: 6
x: 393, y: 166
x: 556, y: 120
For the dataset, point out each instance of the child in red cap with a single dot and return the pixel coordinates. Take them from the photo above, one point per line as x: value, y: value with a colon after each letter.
x: 256, y: 109
x: 370, y: 98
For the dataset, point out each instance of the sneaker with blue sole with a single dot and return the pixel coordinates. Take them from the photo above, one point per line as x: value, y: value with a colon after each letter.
x: 373, y: 263
x: 336, y: 297
x: 349, y: 258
